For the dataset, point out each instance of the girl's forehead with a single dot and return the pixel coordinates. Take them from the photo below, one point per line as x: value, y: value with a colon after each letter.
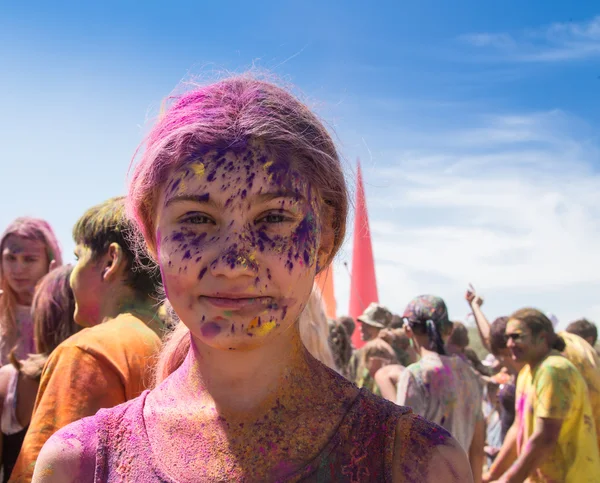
x: 238, y: 173
x: 16, y: 244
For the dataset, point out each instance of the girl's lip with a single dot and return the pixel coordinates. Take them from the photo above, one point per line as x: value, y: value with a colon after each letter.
x: 236, y: 303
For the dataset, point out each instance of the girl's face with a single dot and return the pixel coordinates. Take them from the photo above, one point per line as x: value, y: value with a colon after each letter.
x: 238, y: 242
x: 24, y: 262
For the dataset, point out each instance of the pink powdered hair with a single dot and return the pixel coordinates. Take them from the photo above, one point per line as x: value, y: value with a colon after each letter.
x: 30, y: 229
x: 229, y: 114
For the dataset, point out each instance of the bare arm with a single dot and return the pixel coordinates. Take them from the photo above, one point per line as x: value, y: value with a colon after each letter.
x: 483, y: 325
x: 476, y: 451
x: 387, y: 380
x: 506, y: 456
x: 536, y: 449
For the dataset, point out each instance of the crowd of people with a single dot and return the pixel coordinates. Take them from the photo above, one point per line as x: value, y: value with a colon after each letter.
x: 190, y: 343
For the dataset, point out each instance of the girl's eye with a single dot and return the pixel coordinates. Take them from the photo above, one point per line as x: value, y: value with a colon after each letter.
x: 197, y: 219
x: 272, y: 218
x: 30, y: 259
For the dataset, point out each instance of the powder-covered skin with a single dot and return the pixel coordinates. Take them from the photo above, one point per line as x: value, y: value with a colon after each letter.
x: 238, y: 221
x: 232, y: 223
x: 375, y: 440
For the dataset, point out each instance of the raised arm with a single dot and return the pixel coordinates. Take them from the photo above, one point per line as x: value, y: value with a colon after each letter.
x: 483, y: 325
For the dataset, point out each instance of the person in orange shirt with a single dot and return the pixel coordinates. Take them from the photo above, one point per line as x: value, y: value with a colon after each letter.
x: 110, y: 361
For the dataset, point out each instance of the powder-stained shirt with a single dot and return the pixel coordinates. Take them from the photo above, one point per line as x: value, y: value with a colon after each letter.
x: 117, y: 447
x: 99, y: 367
x: 444, y: 390
x: 583, y: 356
x: 555, y: 389
x: 22, y: 339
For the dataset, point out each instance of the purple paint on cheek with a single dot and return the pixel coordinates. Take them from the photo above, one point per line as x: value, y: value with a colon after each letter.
x: 202, y: 273
x: 210, y: 330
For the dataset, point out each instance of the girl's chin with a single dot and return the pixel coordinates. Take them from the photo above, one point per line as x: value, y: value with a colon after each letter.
x: 228, y: 334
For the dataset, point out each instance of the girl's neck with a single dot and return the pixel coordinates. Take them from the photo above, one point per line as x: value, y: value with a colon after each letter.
x: 245, y: 382
x: 421, y: 347
x: 24, y: 299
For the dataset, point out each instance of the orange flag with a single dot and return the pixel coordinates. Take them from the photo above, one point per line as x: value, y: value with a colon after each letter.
x: 325, y: 283
x: 363, y: 285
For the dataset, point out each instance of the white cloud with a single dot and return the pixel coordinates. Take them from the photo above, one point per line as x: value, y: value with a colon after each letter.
x: 510, y: 203
x: 557, y: 42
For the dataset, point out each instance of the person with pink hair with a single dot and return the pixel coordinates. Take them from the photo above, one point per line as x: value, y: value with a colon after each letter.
x: 29, y: 250
x: 241, y: 200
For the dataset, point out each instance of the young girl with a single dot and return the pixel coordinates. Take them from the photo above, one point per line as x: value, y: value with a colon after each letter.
x: 52, y: 311
x: 241, y: 199
x: 29, y: 251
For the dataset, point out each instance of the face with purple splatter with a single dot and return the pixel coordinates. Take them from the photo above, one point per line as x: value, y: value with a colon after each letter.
x: 239, y: 239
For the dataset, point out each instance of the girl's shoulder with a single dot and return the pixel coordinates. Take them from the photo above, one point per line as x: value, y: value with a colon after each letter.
x: 424, y: 451
x: 69, y: 455
x: 77, y: 452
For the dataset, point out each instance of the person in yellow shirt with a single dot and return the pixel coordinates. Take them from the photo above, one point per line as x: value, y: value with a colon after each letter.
x: 556, y: 434
x: 110, y: 361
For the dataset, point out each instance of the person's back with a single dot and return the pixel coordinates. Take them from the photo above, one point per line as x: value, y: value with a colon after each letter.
x: 583, y: 356
x: 114, y: 360
x: 555, y: 389
x: 109, y: 362
x: 444, y: 390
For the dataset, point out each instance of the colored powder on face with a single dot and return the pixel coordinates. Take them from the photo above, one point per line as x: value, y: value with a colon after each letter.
x: 210, y: 330
x: 260, y: 328
x: 197, y: 169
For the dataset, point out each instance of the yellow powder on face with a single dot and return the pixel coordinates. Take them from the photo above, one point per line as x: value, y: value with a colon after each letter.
x: 198, y: 169
x: 263, y: 329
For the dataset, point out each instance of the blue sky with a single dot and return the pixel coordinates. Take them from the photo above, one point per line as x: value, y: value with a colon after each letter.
x: 476, y: 123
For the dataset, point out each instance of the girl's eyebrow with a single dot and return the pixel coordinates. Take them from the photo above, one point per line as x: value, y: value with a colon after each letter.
x: 260, y: 198
x: 203, y: 199
x: 273, y: 195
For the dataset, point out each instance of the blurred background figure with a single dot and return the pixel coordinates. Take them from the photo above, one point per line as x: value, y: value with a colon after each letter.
x: 556, y: 436
x: 441, y: 388
x: 400, y: 342
x: 372, y: 321
x: 374, y: 355
x: 585, y: 329
x: 349, y: 325
x: 110, y: 362
x: 341, y: 346
x: 457, y: 345
x: 29, y: 250
x: 52, y: 312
